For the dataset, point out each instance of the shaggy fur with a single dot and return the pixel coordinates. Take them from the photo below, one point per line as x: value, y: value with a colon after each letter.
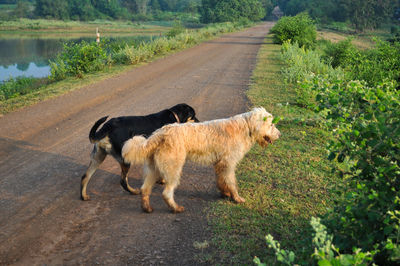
x: 110, y: 138
x: 221, y: 143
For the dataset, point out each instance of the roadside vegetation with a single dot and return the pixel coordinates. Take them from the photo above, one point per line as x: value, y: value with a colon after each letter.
x: 175, y: 25
x: 81, y: 59
x: 284, y: 184
x: 329, y: 189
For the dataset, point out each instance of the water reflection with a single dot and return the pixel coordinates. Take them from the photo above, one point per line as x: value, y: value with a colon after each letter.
x: 30, y: 56
x: 28, y: 70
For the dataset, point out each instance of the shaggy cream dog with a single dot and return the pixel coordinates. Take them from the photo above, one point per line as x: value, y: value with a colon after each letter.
x: 221, y: 143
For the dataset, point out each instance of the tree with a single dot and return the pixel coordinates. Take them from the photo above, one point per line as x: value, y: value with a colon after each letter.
x: 22, y: 9
x: 230, y: 10
x: 369, y: 14
x: 142, y: 6
x: 268, y: 6
x: 51, y: 9
x: 82, y: 10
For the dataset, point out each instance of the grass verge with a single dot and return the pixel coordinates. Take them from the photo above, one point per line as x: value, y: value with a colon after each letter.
x: 284, y: 185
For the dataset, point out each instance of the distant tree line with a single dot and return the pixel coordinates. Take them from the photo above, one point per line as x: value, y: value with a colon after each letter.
x: 234, y: 10
x: 210, y: 10
x: 363, y: 14
x: 98, y: 9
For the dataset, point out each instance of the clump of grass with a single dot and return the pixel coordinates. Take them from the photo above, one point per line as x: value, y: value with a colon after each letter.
x: 15, y: 87
x: 284, y: 185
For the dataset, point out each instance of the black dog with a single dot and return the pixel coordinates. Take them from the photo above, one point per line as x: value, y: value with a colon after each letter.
x: 112, y: 136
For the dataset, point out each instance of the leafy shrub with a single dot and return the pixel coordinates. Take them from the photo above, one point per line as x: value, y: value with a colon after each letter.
x: 339, y: 54
x: 19, y: 86
x: 78, y: 59
x: 375, y: 65
x: 175, y: 30
x: 300, y: 29
x: 365, y: 119
x: 367, y: 127
x: 325, y: 252
x: 302, y: 66
x: 372, y: 66
x: 58, y: 69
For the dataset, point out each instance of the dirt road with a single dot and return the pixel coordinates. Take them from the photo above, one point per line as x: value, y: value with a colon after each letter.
x: 44, y: 150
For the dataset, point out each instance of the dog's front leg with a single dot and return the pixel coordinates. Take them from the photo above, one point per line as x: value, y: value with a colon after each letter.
x: 226, y: 181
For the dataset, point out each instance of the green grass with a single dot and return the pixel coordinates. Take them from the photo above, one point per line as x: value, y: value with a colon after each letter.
x: 284, y: 185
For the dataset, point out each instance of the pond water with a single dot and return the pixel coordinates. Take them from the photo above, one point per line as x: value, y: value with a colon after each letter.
x: 30, y: 57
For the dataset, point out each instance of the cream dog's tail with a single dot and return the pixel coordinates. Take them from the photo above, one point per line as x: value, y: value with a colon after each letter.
x: 137, y: 149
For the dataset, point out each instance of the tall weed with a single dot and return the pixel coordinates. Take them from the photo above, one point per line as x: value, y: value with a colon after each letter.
x: 302, y: 66
x: 15, y: 87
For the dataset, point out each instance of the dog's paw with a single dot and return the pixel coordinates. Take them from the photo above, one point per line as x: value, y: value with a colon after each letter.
x: 239, y: 199
x: 85, y: 197
x: 146, y: 205
x: 134, y: 191
x: 147, y: 209
x: 178, y: 209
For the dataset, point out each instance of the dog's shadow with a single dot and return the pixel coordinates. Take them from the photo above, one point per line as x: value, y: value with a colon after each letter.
x: 31, y: 175
x: 39, y: 179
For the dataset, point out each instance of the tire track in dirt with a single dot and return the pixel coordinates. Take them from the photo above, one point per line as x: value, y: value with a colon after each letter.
x: 44, y: 150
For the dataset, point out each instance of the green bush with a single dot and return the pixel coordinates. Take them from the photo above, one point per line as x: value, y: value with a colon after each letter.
x: 375, y: 65
x: 300, y: 29
x: 19, y: 86
x: 364, y: 117
x: 175, y: 30
x: 339, y: 54
x: 58, y: 69
x: 367, y: 128
x: 301, y: 67
x: 78, y: 59
x: 325, y: 253
x: 372, y: 65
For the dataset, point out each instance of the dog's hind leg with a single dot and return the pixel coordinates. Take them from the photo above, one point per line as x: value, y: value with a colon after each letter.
x: 226, y: 181
x: 124, y: 179
x: 168, y: 195
x: 97, y: 157
x: 171, y: 171
x: 150, y: 178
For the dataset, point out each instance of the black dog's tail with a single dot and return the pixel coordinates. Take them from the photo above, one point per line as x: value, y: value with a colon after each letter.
x: 96, y: 136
